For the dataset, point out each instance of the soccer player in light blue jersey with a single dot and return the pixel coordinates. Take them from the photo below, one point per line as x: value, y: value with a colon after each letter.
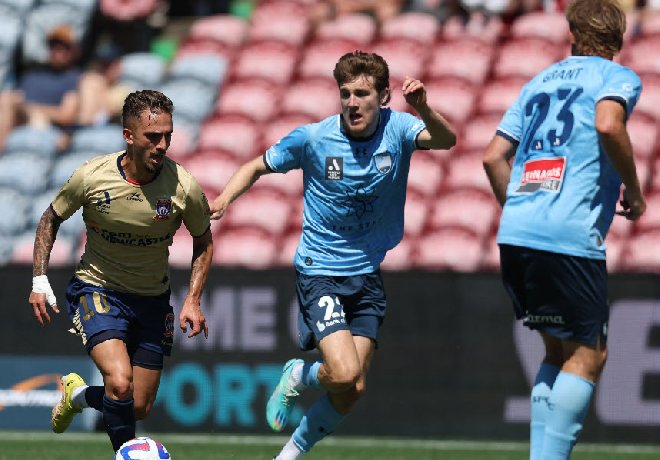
x: 571, y: 151
x: 355, y: 168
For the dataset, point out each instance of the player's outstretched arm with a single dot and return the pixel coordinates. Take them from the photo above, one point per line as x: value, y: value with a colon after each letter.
x: 439, y: 134
x: 238, y: 184
x: 42, y: 293
x: 496, y: 163
x: 611, y: 128
x: 191, y: 313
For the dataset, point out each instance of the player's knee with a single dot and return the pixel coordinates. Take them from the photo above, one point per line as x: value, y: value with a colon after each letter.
x: 141, y: 410
x: 345, y: 378
x: 120, y: 387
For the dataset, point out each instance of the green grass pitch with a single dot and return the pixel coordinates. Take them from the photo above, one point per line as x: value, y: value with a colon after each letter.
x: 46, y: 446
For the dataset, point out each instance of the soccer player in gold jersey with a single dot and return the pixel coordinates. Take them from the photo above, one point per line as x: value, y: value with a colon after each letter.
x: 133, y: 202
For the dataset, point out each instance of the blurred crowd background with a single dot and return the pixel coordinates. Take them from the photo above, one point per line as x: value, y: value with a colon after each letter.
x: 243, y: 73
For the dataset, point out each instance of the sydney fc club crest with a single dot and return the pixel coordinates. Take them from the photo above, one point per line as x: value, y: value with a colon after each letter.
x: 383, y: 162
x: 163, y: 209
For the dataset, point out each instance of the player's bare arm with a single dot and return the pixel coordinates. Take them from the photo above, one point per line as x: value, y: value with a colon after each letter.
x: 611, y: 127
x: 191, y: 313
x: 439, y: 133
x: 42, y: 293
x: 238, y: 184
x: 496, y: 163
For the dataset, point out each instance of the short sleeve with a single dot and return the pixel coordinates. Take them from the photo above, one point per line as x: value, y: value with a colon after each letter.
x: 197, y: 214
x: 286, y: 154
x: 72, y: 194
x: 623, y: 85
x: 410, y: 126
x: 511, y: 125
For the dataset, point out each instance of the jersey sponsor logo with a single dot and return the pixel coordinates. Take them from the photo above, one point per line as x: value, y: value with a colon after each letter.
x: 383, y: 162
x: 163, y: 209
x: 103, y: 203
x: 334, y: 168
x: 360, y: 202
x: 135, y: 196
x: 546, y: 174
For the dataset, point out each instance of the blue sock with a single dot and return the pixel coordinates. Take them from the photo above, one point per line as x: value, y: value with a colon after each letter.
x: 319, y: 421
x: 541, y: 390
x: 94, y: 397
x: 310, y: 374
x: 567, y: 407
x: 119, y: 420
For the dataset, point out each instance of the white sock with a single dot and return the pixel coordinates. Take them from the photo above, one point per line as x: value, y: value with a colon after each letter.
x: 290, y: 451
x: 296, y: 378
x: 78, y: 397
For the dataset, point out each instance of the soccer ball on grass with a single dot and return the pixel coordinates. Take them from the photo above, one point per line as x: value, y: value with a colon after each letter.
x: 143, y: 448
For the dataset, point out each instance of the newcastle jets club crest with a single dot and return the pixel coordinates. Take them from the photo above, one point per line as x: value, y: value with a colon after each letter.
x: 163, y: 209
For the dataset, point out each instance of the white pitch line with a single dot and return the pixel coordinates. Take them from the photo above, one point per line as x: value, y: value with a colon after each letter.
x: 275, y: 440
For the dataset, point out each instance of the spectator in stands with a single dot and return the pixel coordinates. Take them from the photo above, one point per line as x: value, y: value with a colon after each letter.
x: 119, y: 299
x: 101, y: 92
x: 132, y: 24
x: 47, y: 95
x: 567, y: 134
x: 355, y: 166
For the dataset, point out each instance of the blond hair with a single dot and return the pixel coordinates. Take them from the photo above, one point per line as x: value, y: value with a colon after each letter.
x: 597, y: 27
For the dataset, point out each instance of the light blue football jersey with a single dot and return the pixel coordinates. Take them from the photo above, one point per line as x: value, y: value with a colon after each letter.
x: 354, y: 191
x: 563, y: 189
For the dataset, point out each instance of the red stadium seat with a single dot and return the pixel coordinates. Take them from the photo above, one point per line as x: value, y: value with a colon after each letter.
x: 465, y: 170
x: 651, y: 218
x: 468, y: 208
x: 454, y: 249
x: 466, y: 59
x: 235, y: 134
x: 315, y: 97
x: 649, y: 103
x: 183, y: 142
x: 541, y: 24
x: 245, y: 247
x: 453, y: 98
x: 479, y: 132
x: 498, y: 95
x: 620, y: 228
x: 644, y: 133
x: 182, y: 248
x: 289, y: 184
x: 274, y: 61
x: 284, y: 21
x: 263, y: 210
x: 227, y: 30
x: 616, y: 249
x: 643, y: 55
x: 416, y: 214
x: 257, y: 99
x: 319, y: 57
x: 643, y: 252
x: 60, y: 256
x: 401, y: 257
x: 426, y: 173
x: 491, y: 258
x: 287, y: 249
x: 360, y: 28
x: 404, y: 57
x: 281, y: 125
x: 649, y: 24
x: 488, y: 30
x: 397, y: 101
x: 524, y: 58
x: 211, y: 171
x: 417, y: 26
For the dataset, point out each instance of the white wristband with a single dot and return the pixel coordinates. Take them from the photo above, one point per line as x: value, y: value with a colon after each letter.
x: 41, y: 285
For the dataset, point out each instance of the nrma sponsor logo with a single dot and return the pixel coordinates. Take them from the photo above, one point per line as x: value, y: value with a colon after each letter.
x: 31, y: 392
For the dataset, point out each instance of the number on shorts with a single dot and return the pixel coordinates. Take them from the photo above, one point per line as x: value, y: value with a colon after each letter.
x: 100, y: 305
x: 329, y: 304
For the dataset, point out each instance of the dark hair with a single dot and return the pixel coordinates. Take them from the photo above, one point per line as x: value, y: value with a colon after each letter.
x: 352, y: 65
x: 598, y: 27
x: 139, y: 101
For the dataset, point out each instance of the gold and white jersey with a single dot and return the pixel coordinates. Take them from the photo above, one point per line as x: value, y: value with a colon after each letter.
x: 130, y: 226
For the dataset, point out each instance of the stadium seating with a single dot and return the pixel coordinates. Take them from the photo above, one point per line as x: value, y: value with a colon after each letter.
x: 454, y: 98
x: 255, y: 98
x: 404, y: 57
x: 416, y: 26
x: 235, y: 134
x: 360, y: 28
x: 453, y: 249
x: 466, y: 59
x: 41, y: 141
x: 245, y: 247
x: 426, y: 173
x: 544, y: 25
x: 273, y: 61
x: 525, y: 57
x: 315, y: 97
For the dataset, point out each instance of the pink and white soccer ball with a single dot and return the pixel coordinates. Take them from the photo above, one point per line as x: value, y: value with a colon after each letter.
x: 143, y: 448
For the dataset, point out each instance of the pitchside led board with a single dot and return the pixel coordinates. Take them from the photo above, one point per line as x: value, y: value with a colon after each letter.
x: 451, y: 362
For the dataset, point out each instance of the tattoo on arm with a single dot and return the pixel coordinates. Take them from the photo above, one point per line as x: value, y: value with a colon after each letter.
x: 201, y: 262
x: 44, y: 240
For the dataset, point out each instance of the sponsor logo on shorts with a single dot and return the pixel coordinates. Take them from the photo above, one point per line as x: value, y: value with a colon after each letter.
x: 168, y: 334
x: 543, y: 319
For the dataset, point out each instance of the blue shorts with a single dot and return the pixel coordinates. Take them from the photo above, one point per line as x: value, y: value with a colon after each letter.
x: 145, y: 324
x: 560, y: 295
x: 333, y: 303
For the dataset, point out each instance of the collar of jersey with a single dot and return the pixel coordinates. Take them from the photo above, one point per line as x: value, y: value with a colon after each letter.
x: 123, y: 174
